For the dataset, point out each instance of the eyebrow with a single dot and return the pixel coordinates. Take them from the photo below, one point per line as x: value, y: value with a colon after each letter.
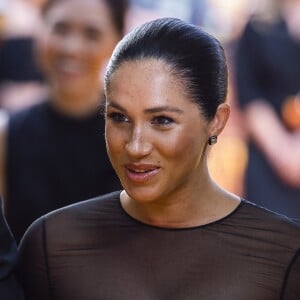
x: 150, y: 110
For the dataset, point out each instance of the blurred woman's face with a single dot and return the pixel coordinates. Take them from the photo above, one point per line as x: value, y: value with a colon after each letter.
x: 156, y: 137
x: 77, y: 39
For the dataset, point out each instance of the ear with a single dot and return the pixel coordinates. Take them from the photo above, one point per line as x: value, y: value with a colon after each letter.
x: 220, y: 119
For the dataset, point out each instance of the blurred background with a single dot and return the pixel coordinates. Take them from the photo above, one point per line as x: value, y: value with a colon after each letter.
x: 22, y: 83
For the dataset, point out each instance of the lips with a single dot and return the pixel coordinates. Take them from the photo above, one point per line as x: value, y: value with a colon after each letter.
x: 141, y: 173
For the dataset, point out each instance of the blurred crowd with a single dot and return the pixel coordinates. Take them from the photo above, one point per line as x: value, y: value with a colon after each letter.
x: 259, y: 150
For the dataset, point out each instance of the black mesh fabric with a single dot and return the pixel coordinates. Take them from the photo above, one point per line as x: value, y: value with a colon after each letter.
x: 94, y: 250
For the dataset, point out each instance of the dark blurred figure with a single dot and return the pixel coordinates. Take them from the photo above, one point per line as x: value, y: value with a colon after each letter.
x: 268, y: 81
x: 54, y: 153
x: 9, y: 288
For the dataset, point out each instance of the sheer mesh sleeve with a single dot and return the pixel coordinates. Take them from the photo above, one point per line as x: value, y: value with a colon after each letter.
x: 33, y: 267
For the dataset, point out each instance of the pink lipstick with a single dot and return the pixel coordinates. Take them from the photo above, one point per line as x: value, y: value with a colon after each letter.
x: 141, y: 173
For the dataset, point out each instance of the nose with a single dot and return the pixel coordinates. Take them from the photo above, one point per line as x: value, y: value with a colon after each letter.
x: 72, y: 45
x: 138, y: 144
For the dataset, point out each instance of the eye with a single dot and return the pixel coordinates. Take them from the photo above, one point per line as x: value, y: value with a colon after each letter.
x: 162, y: 121
x: 61, y: 28
x: 118, y: 117
x: 92, y: 34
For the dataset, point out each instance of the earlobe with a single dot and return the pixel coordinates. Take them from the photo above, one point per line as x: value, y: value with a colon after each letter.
x: 220, y: 119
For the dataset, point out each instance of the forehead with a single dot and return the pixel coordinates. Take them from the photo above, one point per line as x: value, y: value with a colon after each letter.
x: 147, y: 82
x: 79, y: 11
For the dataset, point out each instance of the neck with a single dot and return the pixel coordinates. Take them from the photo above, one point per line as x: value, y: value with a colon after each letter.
x: 206, y: 204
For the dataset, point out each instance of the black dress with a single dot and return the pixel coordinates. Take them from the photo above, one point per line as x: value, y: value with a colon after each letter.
x: 94, y: 250
x: 9, y: 288
x: 267, y: 66
x: 53, y: 161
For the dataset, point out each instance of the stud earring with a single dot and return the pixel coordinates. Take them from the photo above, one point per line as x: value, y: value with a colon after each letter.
x: 212, y: 140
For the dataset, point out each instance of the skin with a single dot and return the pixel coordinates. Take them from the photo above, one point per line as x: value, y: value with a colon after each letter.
x: 74, y: 44
x: 153, y: 126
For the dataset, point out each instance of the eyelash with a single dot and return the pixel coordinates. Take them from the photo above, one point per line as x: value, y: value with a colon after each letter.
x: 161, y: 121
x: 117, y: 117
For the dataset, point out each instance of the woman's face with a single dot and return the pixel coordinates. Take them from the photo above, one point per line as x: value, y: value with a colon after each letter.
x: 77, y: 39
x: 156, y: 137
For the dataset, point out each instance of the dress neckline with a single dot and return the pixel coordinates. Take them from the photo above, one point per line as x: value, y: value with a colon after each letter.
x: 220, y: 220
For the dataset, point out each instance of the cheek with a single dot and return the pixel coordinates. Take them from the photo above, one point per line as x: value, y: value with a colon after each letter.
x: 97, y: 58
x: 180, y: 145
x: 101, y: 51
x: 115, y: 141
x: 96, y: 55
x: 109, y: 42
x: 48, y: 49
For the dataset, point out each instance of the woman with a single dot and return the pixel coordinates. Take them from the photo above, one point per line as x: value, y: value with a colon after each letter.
x: 267, y: 60
x: 55, y: 151
x: 172, y: 233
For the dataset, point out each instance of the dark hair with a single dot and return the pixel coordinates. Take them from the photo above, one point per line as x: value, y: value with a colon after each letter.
x: 118, y: 9
x: 194, y: 56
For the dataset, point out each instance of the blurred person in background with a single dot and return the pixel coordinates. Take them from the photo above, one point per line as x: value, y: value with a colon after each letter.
x: 9, y: 288
x: 268, y: 83
x: 53, y: 153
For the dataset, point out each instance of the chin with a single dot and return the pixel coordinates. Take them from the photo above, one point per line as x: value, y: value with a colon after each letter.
x: 71, y: 92
x: 142, y: 194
